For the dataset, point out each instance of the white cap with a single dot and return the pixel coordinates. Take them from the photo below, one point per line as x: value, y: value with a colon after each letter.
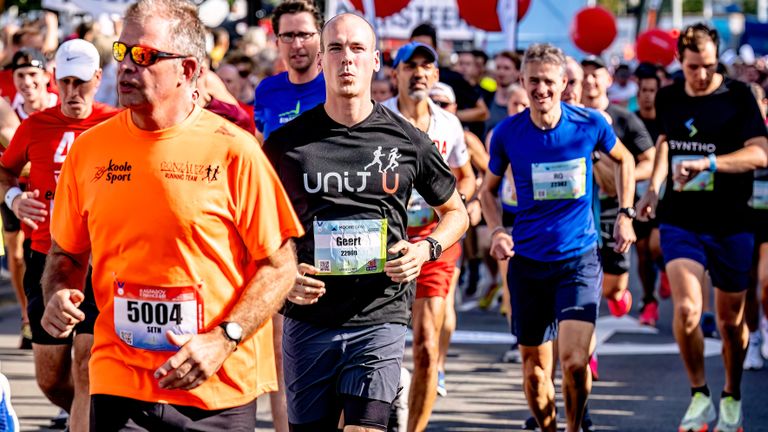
x: 77, y: 58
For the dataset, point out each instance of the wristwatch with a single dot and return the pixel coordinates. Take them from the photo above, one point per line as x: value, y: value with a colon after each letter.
x: 435, y: 250
x: 629, y: 211
x: 232, y: 331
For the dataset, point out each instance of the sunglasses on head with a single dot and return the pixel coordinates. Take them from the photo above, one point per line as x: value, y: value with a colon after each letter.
x: 140, y: 55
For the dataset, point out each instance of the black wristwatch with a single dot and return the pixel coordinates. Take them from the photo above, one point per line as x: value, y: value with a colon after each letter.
x: 629, y: 211
x: 435, y: 250
x: 232, y: 331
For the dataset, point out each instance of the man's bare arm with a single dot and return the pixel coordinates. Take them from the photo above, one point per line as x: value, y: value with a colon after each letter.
x: 9, y: 122
x: 203, y: 354
x: 477, y: 113
x: 64, y: 270
x: 63, y: 282
x: 267, y: 290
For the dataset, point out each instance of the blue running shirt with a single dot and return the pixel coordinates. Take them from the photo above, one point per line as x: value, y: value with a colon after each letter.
x: 279, y: 101
x: 552, y: 170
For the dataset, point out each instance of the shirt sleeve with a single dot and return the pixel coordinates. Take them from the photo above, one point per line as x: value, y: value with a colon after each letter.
x: 499, y: 161
x: 434, y: 180
x: 69, y: 224
x: 606, y: 138
x: 258, y: 108
x: 754, y: 123
x: 265, y: 217
x: 638, y: 135
x: 459, y: 154
x: 15, y: 156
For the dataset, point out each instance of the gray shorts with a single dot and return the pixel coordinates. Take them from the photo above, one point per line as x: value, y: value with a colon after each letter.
x: 321, y: 365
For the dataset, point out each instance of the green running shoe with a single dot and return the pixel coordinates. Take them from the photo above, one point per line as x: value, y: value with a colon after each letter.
x: 700, y: 412
x: 730, y: 416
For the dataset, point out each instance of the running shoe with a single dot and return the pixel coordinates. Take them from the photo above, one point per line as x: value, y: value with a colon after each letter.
x: 764, y: 331
x: 700, y: 413
x: 593, y: 366
x: 730, y: 416
x: 486, y: 301
x: 26, y: 337
x: 512, y: 355
x: 649, y: 314
x: 665, y: 291
x: 753, y: 360
x: 441, y: 390
x: 9, y: 422
x: 622, y: 306
x: 709, y: 325
x: 60, y: 420
x: 586, y: 422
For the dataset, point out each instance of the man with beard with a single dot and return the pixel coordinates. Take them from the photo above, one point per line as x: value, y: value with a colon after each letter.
x: 281, y: 98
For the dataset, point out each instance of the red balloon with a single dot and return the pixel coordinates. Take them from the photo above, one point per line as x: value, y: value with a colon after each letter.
x: 482, y: 14
x: 384, y: 8
x: 593, y: 29
x: 522, y: 9
x: 656, y: 46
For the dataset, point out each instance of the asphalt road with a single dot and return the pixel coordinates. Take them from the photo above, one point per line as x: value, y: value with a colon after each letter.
x: 642, y: 384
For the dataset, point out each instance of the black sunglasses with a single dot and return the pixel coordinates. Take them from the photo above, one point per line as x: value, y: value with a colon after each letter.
x: 141, y: 55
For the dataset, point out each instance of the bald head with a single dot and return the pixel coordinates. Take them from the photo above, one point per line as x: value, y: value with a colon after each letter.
x: 346, y: 18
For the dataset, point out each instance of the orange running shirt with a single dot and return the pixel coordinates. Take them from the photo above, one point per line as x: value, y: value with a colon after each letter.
x: 175, y: 220
x: 44, y: 139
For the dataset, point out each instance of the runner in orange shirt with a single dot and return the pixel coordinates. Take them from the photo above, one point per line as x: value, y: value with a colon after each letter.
x: 189, y: 231
x: 44, y: 140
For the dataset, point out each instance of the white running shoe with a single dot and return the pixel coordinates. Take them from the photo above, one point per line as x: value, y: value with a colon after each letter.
x: 753, y: 360
x: 9, y: 422
x: 764, y: 332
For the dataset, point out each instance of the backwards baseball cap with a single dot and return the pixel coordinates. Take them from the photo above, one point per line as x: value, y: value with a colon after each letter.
x: 443, y: 89
x: 407, y: 51
x: 593, y: 60
x: 28, y: 57
x: 77, y: 58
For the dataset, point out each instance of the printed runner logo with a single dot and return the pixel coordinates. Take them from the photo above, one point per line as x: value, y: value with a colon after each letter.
x: 691, y: 128
x: 114, y: 172
x: 343, y: 179
x: 290, y: 115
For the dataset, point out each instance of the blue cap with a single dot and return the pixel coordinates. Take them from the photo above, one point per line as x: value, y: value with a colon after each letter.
x: 407, y: 51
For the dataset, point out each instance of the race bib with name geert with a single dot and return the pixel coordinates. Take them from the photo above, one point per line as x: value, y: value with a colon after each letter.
x: 350, y: 247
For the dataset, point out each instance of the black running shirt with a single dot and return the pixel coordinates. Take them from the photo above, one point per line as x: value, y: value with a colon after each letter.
x: 338, y: 176
x: 718, y: 123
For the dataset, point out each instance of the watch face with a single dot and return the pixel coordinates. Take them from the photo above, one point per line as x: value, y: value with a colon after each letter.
x: 234, y: 331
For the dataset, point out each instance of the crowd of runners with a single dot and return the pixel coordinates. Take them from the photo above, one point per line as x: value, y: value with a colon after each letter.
x: 194, y: 237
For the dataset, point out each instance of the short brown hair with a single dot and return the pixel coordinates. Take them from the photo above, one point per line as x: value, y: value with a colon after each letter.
x: 545, y: 53
x: 294, y: 7
x: 511, y: 56
x: 694, y: 37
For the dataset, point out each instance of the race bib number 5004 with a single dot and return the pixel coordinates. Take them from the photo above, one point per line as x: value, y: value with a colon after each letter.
x: 143, y: 314
x: 347, y: 247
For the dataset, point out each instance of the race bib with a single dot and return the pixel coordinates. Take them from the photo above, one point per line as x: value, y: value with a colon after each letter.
x: 349, y: 247
x: 420, y: 213
x: 143, y: 314
x: 759, y: 199
x: 704, y: 181
x: 559, y: 180
x: 508, y: 192
x: 642, y: 187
